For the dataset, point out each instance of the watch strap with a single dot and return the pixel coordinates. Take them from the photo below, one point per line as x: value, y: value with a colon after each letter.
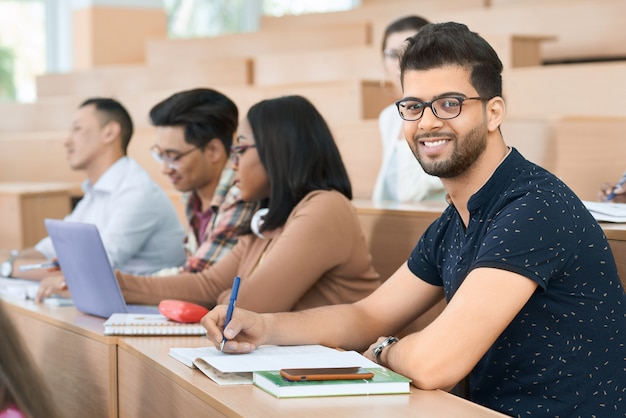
x: 380, y: 347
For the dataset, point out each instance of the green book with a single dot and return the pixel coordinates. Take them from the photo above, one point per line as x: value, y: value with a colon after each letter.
x: 384, y: 382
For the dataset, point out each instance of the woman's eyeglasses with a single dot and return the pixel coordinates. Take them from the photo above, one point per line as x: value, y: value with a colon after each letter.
x: 237, y: 151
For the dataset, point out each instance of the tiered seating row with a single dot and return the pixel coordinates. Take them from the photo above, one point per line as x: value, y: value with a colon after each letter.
x: 564, y: 146
x: 334, y: 60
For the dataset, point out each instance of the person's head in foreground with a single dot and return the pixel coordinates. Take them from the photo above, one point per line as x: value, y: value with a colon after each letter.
x: 23, y: 392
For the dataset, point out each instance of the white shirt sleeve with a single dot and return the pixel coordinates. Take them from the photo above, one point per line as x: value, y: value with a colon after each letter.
x: 137, y: 222
x: 401, y: 177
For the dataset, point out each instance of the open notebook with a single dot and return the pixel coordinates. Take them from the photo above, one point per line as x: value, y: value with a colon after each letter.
x: 87, y: 270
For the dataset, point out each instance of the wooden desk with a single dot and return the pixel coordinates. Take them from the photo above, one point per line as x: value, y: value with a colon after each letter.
x: 94, y: 375
x: 24, y: 206
x: 392, y: 230
x: 153, y: 384
x: 77, y: 361
x: 98, y: 376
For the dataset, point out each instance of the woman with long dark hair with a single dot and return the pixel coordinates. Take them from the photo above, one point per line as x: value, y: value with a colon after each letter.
x: 308, y: 248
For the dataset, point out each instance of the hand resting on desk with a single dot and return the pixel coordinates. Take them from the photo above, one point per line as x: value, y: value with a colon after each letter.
x: 52, y: 285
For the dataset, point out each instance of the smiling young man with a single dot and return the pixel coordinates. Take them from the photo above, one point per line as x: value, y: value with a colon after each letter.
x: 194, y: 133
x: 536, y: 313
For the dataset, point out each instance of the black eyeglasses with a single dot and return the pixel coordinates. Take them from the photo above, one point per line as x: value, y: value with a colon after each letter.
x: 447, y: 107
x: 237, y: 151
x: 172, y: 161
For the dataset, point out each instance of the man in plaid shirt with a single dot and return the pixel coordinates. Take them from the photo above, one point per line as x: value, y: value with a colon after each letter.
x: 194, y: 134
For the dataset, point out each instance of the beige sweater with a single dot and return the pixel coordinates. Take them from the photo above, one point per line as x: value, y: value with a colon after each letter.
x: 319, y: 257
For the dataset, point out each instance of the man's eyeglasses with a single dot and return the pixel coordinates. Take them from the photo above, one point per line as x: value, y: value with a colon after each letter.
x: 393, y: 54
x: 171, y: 159
x: 447, y: 107
x: 237, y: 151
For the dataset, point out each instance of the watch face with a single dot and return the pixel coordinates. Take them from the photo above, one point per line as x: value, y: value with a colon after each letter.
x: 6, y: 269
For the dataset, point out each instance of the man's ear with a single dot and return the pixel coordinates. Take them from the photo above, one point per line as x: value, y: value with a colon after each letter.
x: 216, y: 150
x: 496, y: 110
x: 111, y: 131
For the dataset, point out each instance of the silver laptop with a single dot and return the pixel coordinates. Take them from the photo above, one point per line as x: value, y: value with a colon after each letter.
x: 87, y: 270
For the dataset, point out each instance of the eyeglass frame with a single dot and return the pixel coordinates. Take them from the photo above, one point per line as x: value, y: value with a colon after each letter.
x: 236, y: 151
x: 173, y: 163
x: 393, y: 53
x: 461, y: 99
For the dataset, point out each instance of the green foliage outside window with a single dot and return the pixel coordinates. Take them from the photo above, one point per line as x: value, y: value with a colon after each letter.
x: 7, y: 86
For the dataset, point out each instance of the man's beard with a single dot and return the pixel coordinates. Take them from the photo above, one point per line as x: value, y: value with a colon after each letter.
x: 465, y: 153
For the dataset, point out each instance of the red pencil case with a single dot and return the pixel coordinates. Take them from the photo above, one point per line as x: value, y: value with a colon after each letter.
x: 181, y: 311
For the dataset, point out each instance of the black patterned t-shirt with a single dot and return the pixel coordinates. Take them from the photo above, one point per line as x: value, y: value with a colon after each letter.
x: 564, y: 354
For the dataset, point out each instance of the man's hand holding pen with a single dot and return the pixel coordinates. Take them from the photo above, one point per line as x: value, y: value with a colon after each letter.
x: 244, y: 332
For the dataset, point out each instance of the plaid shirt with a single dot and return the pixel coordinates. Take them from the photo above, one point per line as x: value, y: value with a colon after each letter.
x: 229, y: 218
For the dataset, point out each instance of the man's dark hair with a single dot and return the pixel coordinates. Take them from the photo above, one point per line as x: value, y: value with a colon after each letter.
x: 298, y: 152
x: 112, y: 111
x: 204, y: 114
x: 441, y: 44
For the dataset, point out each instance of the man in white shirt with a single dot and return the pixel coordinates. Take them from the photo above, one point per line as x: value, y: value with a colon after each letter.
x: 137, y: 221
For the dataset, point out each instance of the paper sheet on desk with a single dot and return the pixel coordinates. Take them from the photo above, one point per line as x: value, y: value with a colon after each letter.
x: 607, y: 211
x: 22, y: 289
x: 18, y: 289
x: 273, y: 358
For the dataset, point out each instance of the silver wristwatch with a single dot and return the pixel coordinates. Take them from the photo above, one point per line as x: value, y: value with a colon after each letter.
x: 6, y: 268
x: 380, y: 347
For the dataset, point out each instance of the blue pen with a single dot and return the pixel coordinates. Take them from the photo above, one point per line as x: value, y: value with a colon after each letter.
x: 231, y: 307
x: 621, y: 182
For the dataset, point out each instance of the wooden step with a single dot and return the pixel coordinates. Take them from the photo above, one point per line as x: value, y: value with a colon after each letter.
x: 170, y: 52
x: 558, y: 91
x: 348, y: 100
x: 603, y: 35
x: 365, y: 62
x: 113, y: 81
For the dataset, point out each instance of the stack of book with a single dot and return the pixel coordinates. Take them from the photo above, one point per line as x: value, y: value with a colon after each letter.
x: 262, y: 368
x: 384, y: 382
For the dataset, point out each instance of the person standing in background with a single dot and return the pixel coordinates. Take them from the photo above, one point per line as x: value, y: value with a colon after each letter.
x: 401, y: 178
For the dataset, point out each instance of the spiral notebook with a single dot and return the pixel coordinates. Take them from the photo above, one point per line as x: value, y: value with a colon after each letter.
x: 148, y: 324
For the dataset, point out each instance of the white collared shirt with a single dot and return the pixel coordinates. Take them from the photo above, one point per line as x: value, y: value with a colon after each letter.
x: 137, y: 221
x: 401, y: 178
